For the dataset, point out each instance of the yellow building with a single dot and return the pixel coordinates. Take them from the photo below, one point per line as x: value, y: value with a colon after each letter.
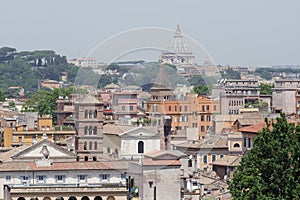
x: 21, y: 135
x: 50, y: 84
x: 187, y: 112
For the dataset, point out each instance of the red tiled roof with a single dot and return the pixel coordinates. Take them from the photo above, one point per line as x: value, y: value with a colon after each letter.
x: 254, y: 128
x: 258, y: 127
x: 58, y: 166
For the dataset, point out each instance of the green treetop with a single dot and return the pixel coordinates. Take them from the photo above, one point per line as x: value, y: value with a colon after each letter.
x: 271, y: 170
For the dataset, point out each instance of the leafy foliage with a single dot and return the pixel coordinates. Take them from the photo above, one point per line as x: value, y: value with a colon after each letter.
x: 271, y: 170
x: 230, y: 74
x: 268, y: 73
x: 2, y: 96
x: 197, y: 80
x: 44, y: 101
x: 201, y: 89
x: 26, y: 69
x: 266, y: 88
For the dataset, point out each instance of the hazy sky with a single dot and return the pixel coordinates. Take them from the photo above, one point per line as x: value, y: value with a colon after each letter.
x: 234, y: 32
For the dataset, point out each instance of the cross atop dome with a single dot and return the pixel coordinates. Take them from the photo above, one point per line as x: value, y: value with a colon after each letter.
x: 178, y: 53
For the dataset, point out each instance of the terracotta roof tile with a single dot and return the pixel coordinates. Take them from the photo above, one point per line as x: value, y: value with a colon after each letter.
x: 228, y: 160
x: 254, y: 128
x: 58, y: 166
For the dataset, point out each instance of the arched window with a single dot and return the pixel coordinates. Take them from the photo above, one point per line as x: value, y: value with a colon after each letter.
x: 98, y: 198
x: 59, y: 198
x: 21, y: 198
x: 94, y: 158
x: 85, y: 198
x: 91, y: 114
x: 236, y: 145
x: 140, y: 147
x: 72, y: 198
x: 95, y: 130
x: 85, y: 130
x: 86, y: 113
x: 111, y: 198
x: 90, y: 130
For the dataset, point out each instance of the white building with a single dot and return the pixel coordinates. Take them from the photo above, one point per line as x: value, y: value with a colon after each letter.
x: 156, y: 176
x: 137, y: 141
x: 45, y: 171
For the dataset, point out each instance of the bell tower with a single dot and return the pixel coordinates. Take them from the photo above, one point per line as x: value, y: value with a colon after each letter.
x: 89, y: 126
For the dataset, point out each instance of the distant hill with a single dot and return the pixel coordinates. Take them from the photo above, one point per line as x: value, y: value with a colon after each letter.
x: 26, y: 68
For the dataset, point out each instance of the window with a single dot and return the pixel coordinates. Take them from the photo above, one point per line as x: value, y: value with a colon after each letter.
x: 180, y: 108
x: 123, y: 176
x: 202, y: 129
x: 95, y: 130
x: 245, y: 142
x: 236, y: 145
x: 108, y: 150
x: 190, y: 163
x: 123, y: 108
x: 215, y: 107
x: 60, y: 178
x: 85, y: 130
x: 104, y: 177
x: 140, y: 147
x: 202, y: 118
x: 95, y: 145
x: 249, y: 142
x: 213, y: 158
x: 41, y: 178
x: 221, y: 156
x: 207, y: 108
x: 25, y: 180
x: 205, y: 159
x: 95, y: 113
x: 208, y: 118
x: 86, y: 114
x: 90, y: 114
x: 91, y: 146
x: 131, y: 108
x: 8, y: 177
x: 170, y: 108
x: 185, y: 108
x: 82, y: 178
x: 90, y: 130
x: 175, y: 108
x: 203, y: 108
x: 85, y: 146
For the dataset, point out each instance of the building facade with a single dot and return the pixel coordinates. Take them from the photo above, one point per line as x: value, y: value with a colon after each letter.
x: 89, y: 126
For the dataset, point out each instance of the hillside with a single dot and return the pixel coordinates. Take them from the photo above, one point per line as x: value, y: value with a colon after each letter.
x: 26, y: 68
